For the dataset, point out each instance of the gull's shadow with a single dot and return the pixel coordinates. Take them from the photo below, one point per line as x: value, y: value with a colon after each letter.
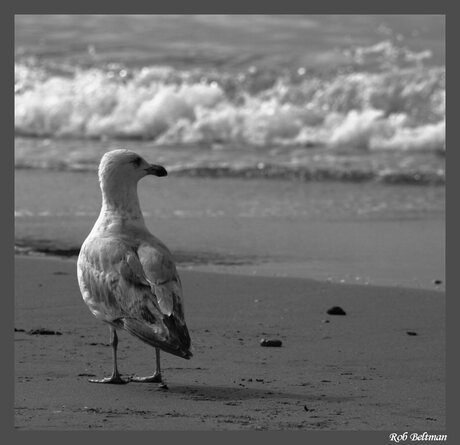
x: 226, y: 393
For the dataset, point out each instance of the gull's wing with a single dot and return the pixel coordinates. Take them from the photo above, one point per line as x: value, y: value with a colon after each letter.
x: 137, y: 289
x: 160, y: 271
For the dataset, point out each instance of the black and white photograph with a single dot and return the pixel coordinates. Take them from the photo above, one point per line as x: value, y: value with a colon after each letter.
x: 230, y: 222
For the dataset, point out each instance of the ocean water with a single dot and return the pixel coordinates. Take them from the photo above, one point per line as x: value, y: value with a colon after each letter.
x: 310, y: 146
x: 344, y: 232
x: 344, y: 98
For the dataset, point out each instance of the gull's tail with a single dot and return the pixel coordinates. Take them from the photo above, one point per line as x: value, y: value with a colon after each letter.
x: 172, y: 336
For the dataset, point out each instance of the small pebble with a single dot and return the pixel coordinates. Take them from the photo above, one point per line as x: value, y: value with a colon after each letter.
x: 336, y: 310
x: 305, y: 408
x: 326, y: 321
x: 437, y: 282
x: 411, y: 333
x: 270, y: 343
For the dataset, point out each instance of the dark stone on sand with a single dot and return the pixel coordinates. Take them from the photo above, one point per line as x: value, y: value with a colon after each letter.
x: 336, y: 310
x: 271, y: 343
x: 19, y: 330
x: 411, y: 333
x: 437, y: 282
x: 43, y: 331
x: 305, y: 407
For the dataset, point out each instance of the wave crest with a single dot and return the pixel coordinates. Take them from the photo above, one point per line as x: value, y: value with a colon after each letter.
x: 399, y: 108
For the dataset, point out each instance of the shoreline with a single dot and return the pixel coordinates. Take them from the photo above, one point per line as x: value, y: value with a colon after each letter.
x: 362, y: 371
x: 387, y: 235
x: 189, y: 261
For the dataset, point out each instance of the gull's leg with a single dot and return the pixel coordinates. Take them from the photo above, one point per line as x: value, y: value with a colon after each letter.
x: 155, y: 378
x: 115, y: 377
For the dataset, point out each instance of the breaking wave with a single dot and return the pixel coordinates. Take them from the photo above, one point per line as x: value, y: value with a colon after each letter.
x: 400, y: 106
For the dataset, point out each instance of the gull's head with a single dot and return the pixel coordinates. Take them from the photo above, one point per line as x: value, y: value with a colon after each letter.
x: 126, y: 166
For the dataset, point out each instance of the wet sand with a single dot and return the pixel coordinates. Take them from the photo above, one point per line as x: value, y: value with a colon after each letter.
x: 366, y: 370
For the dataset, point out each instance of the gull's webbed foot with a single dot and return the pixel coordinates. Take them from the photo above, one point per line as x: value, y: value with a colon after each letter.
x: 155, y: 378
x: 114, y: 379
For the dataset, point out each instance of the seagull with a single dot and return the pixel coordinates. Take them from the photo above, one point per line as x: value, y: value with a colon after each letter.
x: 127, y: 276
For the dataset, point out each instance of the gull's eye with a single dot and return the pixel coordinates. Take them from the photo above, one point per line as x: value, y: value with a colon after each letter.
x: 137, y: 161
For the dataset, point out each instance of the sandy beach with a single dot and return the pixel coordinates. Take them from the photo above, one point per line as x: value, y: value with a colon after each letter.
x: 379, y: 367
x: 258, y: 259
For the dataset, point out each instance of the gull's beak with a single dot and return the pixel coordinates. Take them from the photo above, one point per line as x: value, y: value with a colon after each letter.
x: 156, y: 170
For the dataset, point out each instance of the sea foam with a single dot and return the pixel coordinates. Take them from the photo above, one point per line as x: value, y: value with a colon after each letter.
x: 400, y: 106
